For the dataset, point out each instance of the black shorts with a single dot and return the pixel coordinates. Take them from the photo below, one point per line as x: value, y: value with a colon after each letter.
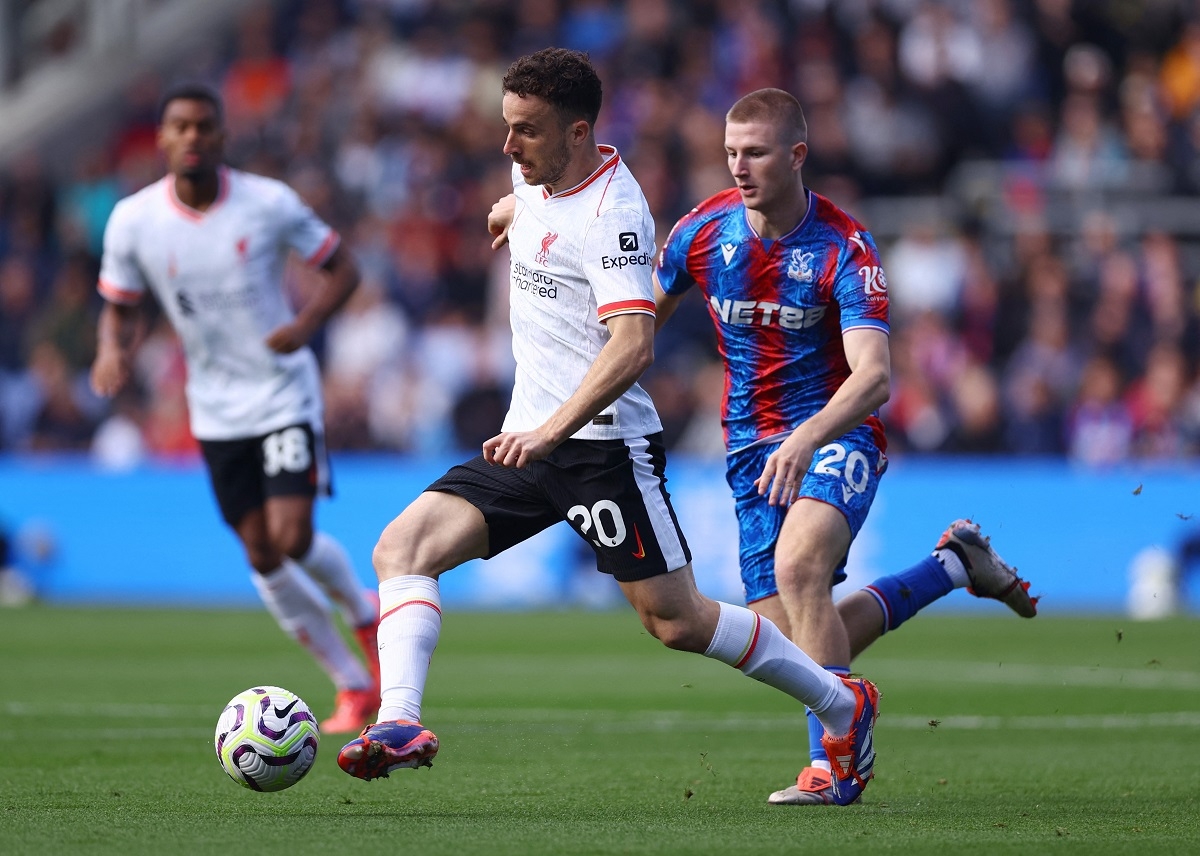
x: 612, y: 492
x: 245, y: 472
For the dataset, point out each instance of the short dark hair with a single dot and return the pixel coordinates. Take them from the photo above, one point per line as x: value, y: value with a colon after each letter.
x: 191, y: 92
x: 564, y: 78
x: 775, y: 106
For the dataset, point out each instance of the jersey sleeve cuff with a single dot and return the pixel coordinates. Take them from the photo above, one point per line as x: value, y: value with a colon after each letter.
x: 673, y: 286
x: 867, y: 324
x: 115, y: 294
x: 324, y: 251
x: 624, y: 307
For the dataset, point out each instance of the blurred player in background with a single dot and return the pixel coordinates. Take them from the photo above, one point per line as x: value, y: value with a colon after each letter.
x: 581, y: 441
x: 798, y: 296
x: 211, y: 243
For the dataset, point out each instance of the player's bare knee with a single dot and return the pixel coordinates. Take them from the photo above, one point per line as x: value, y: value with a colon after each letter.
x: 675, y: 636
x: 437, y: 532
x: 803, y: 577
x: 403, y: 550
x: 263, y: 557
x: 293, y: 538
x: 676, y: 632
x: 389, y: 556
x: 654, y: 626
x: 685, y: 636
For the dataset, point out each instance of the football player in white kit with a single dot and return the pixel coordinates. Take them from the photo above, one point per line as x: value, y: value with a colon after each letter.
x: 211, y: 243
x: 581, y: 441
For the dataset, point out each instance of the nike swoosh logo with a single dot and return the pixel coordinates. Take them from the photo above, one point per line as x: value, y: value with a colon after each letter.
x: 640, y: 552
x: 282, y: 713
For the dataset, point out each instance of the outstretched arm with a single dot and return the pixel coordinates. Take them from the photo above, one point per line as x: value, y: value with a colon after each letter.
x: 341, y: 278
x: 867, y: 388
x: 117, y: 339
x: 619, y: 364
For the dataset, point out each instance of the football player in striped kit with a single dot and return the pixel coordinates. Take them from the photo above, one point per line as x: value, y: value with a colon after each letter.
x: 799, y: 300
x: 581, y: 442
x: 211, y: 243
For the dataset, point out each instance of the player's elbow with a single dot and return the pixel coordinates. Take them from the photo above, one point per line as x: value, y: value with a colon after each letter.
x: 635, y: 355
x: 343, y: 269
x: 881, y: 388
x: 643, y: 358
x: 351, y: 277
x: 632, y: 345
x: 635, y: 362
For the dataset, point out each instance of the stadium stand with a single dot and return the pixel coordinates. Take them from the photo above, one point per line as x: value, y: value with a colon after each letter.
x: 1028, y: 167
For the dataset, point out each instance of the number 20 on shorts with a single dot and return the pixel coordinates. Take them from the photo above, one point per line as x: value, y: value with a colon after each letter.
x: 605, y: 516
x: 856, y: 472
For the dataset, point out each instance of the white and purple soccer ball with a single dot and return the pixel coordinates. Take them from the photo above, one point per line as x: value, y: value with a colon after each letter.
x: 266, y: 739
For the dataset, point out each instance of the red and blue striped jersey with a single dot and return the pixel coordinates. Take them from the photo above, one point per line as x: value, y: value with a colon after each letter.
x: 780, y: 308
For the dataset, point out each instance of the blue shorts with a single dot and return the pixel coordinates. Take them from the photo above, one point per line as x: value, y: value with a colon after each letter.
x: 844, y: 474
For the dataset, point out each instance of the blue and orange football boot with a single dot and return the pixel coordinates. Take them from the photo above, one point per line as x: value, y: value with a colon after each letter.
x: 852, y: 755
x: 387, y: 746
x: 812, y: 788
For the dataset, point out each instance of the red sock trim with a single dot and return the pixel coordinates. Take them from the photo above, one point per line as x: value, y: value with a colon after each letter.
x: 401, y: 606
x: 753, y: 642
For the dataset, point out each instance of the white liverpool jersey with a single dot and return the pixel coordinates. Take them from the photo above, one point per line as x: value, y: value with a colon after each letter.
x: 579, y: 257
x: 218, y: 275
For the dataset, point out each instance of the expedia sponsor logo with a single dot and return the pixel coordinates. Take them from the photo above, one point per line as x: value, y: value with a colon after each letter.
x: 628, y: 242
x: 763, y: 313
x: 619, y: 262
x: 221, y: 301
x: 240, y: 298
x: 535, y: 283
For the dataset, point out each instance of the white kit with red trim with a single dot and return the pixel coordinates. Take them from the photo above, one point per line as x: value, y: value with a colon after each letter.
x: 578, y: 258
x: 218, y: 275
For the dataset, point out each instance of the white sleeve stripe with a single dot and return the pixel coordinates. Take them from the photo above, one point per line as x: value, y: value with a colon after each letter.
x: 867, y: 324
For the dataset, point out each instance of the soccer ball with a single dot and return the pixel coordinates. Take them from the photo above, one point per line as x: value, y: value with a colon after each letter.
x: 266, y: 739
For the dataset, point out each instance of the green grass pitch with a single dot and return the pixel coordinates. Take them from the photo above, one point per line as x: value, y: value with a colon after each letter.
x: 577, y: 733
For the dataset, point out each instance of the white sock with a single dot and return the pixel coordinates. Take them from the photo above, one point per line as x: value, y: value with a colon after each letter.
x: 954, y: 567
x: 409, y: 625
x: 298, y: 607
x: 328, y: 563
x: 758, y: 649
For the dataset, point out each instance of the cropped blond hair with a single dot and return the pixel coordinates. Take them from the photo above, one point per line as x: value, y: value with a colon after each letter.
x: 773, y: 106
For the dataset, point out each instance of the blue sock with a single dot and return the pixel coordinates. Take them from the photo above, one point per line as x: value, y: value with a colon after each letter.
x: 903, y: 595
x: 816, y: 752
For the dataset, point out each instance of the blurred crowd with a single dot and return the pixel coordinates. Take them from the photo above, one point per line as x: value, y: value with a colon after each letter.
x: 1030, y: 318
